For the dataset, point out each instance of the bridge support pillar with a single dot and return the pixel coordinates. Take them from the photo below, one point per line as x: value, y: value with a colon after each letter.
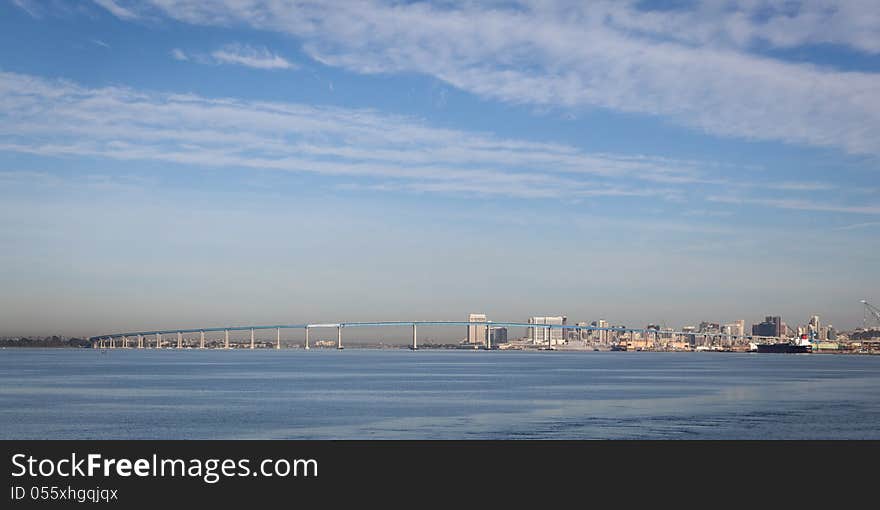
x: 307, y: 338
x: 549, y: 337
x: 179, y: 340
x: 124, y: 341
x: 158, y: 340
x: 339, y: 337
x: 415, y: 344
x: 201, y: 339
x: 278, y: 338
x: 488, y: 337
x: 226, y: 334
x: 252, y: 338
x: 140, y: 341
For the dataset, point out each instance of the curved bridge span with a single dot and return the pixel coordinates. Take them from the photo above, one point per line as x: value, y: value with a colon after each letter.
x: 143, y: 337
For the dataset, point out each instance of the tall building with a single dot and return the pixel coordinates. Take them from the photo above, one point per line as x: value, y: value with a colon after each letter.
x: 545, y: 336
x: 499, y: 335
x: 734, y: 328
x: 601, y: 335
x: 583, y: 334
x: 830, y: 333
x: 476, y: 335
x: 690, y: 338
x: 815, y: 328
x: 709, y: 327
x: 772, y: 326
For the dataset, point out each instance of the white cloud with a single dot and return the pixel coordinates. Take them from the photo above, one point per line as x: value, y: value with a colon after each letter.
x: 693, y: 67
x: 747, y: 24
x: 57, y: 118
x: 178, y: 54
x: 249, y: 56
x: 116, y: 9
x: 28, y: 7
x: 364, y: 148
x: 855, y: 226
x: 798, y: 204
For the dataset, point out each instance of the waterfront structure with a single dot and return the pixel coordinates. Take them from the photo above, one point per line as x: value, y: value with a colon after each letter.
x: 476, y: 335
x: 544, y: 332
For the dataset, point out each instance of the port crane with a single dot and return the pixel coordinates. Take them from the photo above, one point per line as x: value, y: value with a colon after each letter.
x: 870, y: 310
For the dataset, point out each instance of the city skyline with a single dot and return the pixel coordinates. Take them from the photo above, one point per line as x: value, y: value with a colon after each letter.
x: 482, y: 331
x: 636, y: 162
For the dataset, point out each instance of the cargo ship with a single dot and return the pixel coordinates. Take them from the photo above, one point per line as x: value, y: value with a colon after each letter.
x: 800, y: 346
x: 785, y: 347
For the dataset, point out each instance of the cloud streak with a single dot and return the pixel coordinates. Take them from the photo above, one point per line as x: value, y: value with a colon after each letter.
x: 59, y: 118
x: 360, y: 148
x: 116, y: 9
x: 249, y: 56
x: 692, y: 67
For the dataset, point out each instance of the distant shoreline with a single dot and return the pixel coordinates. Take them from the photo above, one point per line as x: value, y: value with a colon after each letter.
x: 404, y: 347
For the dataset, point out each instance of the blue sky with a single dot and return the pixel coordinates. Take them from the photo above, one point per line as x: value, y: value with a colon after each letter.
x: 173, y: 163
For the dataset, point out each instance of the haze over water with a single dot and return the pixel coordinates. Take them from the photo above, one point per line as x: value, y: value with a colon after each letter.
x: 391, y: 394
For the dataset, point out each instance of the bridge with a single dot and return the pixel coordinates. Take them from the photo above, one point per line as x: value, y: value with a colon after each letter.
x: 143, y: 337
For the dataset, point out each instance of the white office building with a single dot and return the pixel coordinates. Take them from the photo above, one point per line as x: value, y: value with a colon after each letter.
x: 476, y: 335
x: 547, y: 336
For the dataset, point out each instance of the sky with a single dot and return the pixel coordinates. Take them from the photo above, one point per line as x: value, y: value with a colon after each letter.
x: 177, y: 163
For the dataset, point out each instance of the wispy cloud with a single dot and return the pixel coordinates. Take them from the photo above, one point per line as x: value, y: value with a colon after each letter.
x: 58, y: 118
x: 798, y: 204
x: 745, y: 24
x: 361, y: 148
x: 28, y: 7
x: 250, y: 56
x: 693, y: 66
x: 237, y: 54
x: 116, y: 9
x: 855, y: 226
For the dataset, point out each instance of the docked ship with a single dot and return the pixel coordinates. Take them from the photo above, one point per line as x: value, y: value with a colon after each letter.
x: 800, y: 346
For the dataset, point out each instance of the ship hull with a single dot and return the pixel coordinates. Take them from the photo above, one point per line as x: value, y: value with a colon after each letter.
x: 784, y: 348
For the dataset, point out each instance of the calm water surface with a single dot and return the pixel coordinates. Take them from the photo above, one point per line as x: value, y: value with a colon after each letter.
x: 373, y: 394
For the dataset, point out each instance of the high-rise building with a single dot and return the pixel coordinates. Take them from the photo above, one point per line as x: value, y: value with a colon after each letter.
x: 734, y: 328
x: 772, y: 326
x: 690, y: 338
x: 546, y: 336
x: 582, y: 334
x: 499, y: 335
x: 709, y: 327
x: 815, y: 328
x: 600, y: 335
x: 476, y: 335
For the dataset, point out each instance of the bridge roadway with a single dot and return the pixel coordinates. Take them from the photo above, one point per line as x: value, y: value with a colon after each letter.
x: 141, y: 335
